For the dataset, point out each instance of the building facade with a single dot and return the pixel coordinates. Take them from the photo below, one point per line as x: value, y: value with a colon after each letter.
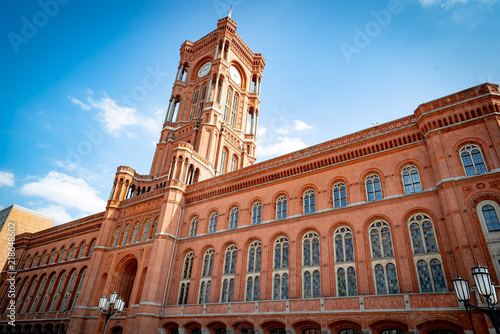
x: 360, y: 234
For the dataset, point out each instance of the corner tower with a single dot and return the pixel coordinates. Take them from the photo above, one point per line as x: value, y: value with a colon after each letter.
x: 211, y: 122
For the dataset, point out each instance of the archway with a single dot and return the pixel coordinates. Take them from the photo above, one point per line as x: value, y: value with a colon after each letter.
x: 126, y: 278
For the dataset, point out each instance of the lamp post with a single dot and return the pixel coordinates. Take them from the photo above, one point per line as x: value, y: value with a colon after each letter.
x: 485, y: 288
x: 111, y: 306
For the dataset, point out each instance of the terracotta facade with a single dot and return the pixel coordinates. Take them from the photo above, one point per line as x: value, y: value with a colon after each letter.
x: 363, y: 233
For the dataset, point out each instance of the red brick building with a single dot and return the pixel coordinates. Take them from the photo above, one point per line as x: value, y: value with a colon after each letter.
x: 360, y: 234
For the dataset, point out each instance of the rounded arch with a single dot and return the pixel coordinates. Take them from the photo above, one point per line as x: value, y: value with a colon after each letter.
x: 372, y: 218
x: 126, y: 272
x: 368, y: 172
x: 275, y: 237
x: 244, y: 78
x: 302, y: 325
x: 169, y: 326
x: 439, y: 324
x: 279, y: 194
x: 271, y: 324
x: 306, y: 187
x: 384, y: 324
x: 340, y: 324
x: 196, y: 67
x: 216, y: 324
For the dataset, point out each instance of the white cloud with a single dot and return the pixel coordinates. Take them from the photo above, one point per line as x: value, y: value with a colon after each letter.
x: 447, y: 4
x: 115, y: 117
x: 66, y: 190
x: 6, y: 179
x: 283, y: 145
x: 79, y: 103
x: 57, y: 212
x: 41, y: 145
x: 301, y: 126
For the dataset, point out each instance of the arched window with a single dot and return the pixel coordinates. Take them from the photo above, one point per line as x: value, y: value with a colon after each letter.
x: 311, y: 265
x: 30, y: 293
x: 281, y: 207
x: 254, y: 256
x: 234, y: 110
x: 490, y: 216
x: 253, y: 271
x: 38, y: 293
x: 411, y: 179
x: 212, y: 224
x: 309, y: 202
x: 47, y: 293
x: 206, y: 276
x: 82, y: 246
x: 35, y: 259
x: 425, y: 251
x: 202, y: 99
x: 228, y: 274
x: 52, y: 255
x: 233, y: 218
x: 145, y: 233
x: 280, y: 272
x: 228, y: 103
x: 71, y: 250
x: 92, y: 245
x: 373, y: 188
x: 223, y: 159
x: 79, y: 287
x: 339, y: 195
x: 55, y: 297
x: 344, y: 262
x: 256, y: 213
x: 136, y: 233
x: 155, y: 226
x: 193, y: 105
x: 61, y: 254
x: 234, y: 162
x: 69, y: 288
x: 193, y: 227
x: 117, y: 236
x: 26, y: 264
x: 386, y: 280
x: 125, y: 235
x: 44, y: 256
x: 186, y: 277
x: 472, y: 160
x: 380, y: 240
x: 422, y: 234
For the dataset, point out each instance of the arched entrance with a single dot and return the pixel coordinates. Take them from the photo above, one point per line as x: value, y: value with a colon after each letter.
x: 126, y: 278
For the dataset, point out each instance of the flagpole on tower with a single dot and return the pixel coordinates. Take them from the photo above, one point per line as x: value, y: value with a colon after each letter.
x: 230, y: 11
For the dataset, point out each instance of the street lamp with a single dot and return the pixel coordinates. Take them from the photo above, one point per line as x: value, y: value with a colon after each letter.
x: 111, y: 306
x: 485, y: 288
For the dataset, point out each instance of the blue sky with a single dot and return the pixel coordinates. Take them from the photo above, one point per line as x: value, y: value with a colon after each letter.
x: 85, y: 84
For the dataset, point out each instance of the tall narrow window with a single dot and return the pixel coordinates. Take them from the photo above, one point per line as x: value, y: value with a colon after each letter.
x: 58, y: 291
x: 373, y: 188
x: 233, y: 163
x: 145, y: 233
x: 280, y: 271
x: 69, y: 288
x: 472, y: 160
x: 193, y: 105
x: 79, y: 287
x: 411, y: 180
x: 70, y: 253
x: 228, y: 274
x: 256, y: 213
x: 47, y: 293
x: 202, y: 99
x: 425, y: 252
x: 52, y: 255
x: 194, y: 226
x: 212, y: 223
x: 234, y: 110
x: 206, y: 276
x: 228, y: 103
x: 35, y: 260
x: 82, y: 246
x: 311, y: 266
x: 253, y: 271
x: 92, y: 245
x: 384, y: 269
x: 233, y: 218
x: 61, y: 254
x: 223, y: 159
x: 491, y: 218
x: 186, y: 278
x: 30, y: 294
x: 339, y: 195
x: 344, y: 262
x: 125, y: 235
x: 309, y: 201
x: 281, y: 208
x: 44, y: 256
x: 117, y: 236
x: 38, y: 293
x: 136, y: 233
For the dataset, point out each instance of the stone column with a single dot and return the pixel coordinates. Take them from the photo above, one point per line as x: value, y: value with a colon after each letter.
x: 216, y: 55
x: 256, y: 120
x: 209, y: 90
x: 180, y: 72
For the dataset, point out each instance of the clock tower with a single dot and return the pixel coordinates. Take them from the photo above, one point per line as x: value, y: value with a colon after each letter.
x: 210, y: 126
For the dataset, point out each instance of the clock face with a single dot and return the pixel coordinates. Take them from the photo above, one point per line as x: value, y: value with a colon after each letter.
x: 235, y: 74
x: 204, y: 69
